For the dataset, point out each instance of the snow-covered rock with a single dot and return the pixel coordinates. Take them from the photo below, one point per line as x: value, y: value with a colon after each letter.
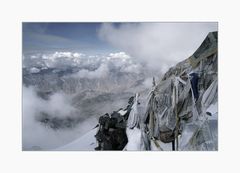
x: 191, y: 106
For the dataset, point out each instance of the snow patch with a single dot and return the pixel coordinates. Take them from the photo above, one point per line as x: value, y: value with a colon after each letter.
x: 134, y: 139
x: 122, y: 112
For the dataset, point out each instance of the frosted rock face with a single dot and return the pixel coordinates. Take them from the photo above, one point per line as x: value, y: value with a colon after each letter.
x: 133, y: 118
x: 175, y: 114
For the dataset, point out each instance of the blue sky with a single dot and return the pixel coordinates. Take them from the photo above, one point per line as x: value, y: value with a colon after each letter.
x: 82, y: 37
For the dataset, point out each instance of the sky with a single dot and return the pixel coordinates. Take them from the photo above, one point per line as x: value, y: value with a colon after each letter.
x: 160, y: 45
x: 64, y: 37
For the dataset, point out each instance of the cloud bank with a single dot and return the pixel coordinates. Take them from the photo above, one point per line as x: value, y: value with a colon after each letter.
x: 37, y: 136
x: 92, y: 66
x: 101, y: 72
x: 159, y: 44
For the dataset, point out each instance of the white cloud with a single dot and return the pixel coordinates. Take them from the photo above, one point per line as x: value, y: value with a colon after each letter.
x: 159, y: 44
x: 56, y: 59
x: 58, y: 104
x: 101, y: 72
x: 148, y: 83
x: 132, y: 68
x: 119, y: 60
x: 70, y: 55
x: 36, y: 134
x: 77, y: 55
x: 102, y: 64
x: 121, y: 55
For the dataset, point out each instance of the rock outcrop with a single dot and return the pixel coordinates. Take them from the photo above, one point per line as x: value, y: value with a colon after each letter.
x: 178, y: 108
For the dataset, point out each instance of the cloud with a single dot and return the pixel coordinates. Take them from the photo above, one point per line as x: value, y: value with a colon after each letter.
x: 132, y: 68
x: 114, y: 61
x: 100, y: 72
x: 102, y: 64
x: 120, y: 55
x: 159, y: 44
x: 148, y: 83
x: 35, y: 134
x: 53, y: 60
x: 67, y: 55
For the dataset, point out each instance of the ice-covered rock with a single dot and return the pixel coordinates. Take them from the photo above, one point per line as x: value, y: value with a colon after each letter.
x: 182, y: 106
